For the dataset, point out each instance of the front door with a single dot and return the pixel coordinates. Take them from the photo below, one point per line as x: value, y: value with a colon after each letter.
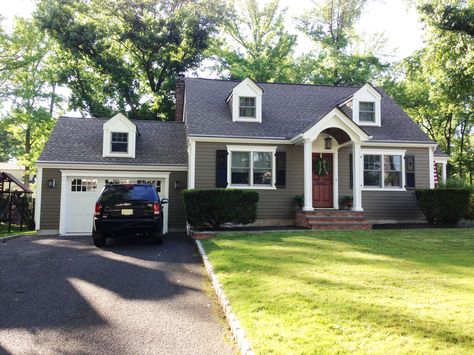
x: 322, y: 180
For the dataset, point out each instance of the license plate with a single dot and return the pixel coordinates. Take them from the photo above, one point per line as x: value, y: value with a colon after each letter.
x: 127, y: 212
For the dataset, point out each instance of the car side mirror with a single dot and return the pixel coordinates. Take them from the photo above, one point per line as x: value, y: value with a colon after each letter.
x: 164, y: 201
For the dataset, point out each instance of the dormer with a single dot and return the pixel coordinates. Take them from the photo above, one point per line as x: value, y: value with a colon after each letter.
x: 366, y: 106
x: 119, y: 137
x: 245, y: 102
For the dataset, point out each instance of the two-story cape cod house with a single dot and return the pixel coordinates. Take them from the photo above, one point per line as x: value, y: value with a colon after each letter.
x: 282, y: 140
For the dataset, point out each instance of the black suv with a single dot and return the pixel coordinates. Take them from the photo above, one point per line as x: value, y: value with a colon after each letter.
x: 128, y: 209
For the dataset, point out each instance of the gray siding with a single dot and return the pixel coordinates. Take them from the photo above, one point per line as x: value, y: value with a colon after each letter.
x: 50, y: 200
x: 273, y: 204
x: 176, y: 214
x: 344, y: 171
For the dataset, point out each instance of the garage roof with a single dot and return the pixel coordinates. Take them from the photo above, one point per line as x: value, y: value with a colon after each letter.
x: 79, y: 140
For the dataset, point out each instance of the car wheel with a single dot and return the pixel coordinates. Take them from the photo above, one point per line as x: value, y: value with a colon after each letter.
x: 99, y: 240
x: 157, y: 238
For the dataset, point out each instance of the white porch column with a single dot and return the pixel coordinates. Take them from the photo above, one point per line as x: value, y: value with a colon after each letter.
x: 308, y: 175
x: 444, y: 171
x: 357, y: 172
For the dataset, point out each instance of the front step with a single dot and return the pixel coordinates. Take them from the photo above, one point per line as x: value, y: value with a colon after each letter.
x: 332, y: 220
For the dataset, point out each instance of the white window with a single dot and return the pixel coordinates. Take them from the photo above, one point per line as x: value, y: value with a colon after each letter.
x: 251, y: 167
x: 384, y: 171
x: 119, y: 142
x: 367, y: 111
x: 83, y: 185
x: 247, y: 107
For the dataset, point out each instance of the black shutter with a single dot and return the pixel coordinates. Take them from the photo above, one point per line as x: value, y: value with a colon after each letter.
x: 410, y: 171
x: 280, y: 169
x: 221, y: 168
x: 351, y: 172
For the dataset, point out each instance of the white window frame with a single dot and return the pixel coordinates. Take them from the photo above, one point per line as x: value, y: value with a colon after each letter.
x: 111, y: 142
x: 251, y: 150
x: 382, y: 153
x: 254, y: 117
x: 374, y: 106
x: 367, y: 93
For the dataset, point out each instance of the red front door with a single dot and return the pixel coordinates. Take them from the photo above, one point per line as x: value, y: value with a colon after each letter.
x: 322, y: 180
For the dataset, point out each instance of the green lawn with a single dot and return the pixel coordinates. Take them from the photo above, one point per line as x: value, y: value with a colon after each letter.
x: 382, y: 291
x: 14, y: 231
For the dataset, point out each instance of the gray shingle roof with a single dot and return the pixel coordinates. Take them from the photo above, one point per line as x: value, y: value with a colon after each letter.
x: 439, y: 153
x: 79, y: 140
x: 287, y: 110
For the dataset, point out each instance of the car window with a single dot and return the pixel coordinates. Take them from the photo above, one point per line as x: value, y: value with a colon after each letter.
x: 116, y: 193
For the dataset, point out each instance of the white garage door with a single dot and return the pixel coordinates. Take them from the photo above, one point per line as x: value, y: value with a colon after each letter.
x: 81, y: 193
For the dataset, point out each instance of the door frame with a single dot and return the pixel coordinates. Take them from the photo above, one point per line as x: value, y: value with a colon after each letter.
x: 65, y: 174
x: 335, y: 173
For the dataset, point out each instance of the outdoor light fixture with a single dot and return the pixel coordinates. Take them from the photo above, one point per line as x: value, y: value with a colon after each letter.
x: 328, y: 142
x: 52, y: 183
x: 176, y: 185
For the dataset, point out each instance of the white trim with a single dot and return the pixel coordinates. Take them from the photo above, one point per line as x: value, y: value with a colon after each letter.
x: 39, y: 188
x: 110, y: 127
x: 225, y: 139
x: 357, y: 177
x: 191, y: 164
x: 251, y: 150
x: 382, y: 153
x: 398, y: 144
x: 81, y: 173
x: 431, y: 166
x: 336, y: 119
x: 88, y: 166
x: 308, y: 175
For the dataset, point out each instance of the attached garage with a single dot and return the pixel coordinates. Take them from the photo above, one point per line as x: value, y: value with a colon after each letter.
x: 79, y: 160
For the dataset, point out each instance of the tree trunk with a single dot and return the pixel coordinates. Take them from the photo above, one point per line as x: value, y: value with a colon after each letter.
x: 26, y: 176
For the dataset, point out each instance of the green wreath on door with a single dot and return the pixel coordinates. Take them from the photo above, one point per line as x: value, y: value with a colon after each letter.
x: 321, y: 167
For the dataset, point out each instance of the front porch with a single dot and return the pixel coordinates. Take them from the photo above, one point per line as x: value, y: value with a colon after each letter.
x: 333, y: 138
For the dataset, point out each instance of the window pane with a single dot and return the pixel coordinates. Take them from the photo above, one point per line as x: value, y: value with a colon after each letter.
x: 372, y: 178
x: 393, y: 162
x: 366, y: 117
x: 247, y: 106
x: 247, y: 112
x: 240, y: 159
x: 247, y: 101
x: 119, y: 142
x: 372, y: 162
x: 366, y: 106
x: 393, y: 179
x: 240, y: 176
x: 262, y: 177
x: 262, y: 160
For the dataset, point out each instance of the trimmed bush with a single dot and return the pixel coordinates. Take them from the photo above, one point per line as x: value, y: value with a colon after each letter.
x: 443, y: 206
x: 470, y: 209
x: 219, y: 206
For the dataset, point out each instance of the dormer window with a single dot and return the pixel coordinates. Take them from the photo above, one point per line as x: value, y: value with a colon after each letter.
x: 247, y: 107
x: 119, y: 142
x: 366, y: 106
x: 367, y: 112
x: 245, y: 102
x: 119, y: 137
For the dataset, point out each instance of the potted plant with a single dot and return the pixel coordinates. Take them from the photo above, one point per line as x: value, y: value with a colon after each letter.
x: 299, y: 200
x: 347, y: 202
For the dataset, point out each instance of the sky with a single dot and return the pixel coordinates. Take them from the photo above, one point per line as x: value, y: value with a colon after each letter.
x: 395, y: 18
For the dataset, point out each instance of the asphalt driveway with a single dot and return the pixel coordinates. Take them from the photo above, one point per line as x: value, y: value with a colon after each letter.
x: 63, y: 295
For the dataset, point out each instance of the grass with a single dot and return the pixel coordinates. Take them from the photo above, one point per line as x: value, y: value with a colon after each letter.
x: 15, y: 230
x: 382, y: 291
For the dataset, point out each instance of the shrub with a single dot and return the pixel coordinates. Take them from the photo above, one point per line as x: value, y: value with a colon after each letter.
x: 470, y: 209
x: 443, y: 205
x: 219, y: 206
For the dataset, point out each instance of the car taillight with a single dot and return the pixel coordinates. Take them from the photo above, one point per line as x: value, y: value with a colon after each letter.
x: 156, y: 208
x: 98, y: 208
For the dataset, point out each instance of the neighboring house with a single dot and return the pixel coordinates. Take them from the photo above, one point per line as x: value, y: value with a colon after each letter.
x: 282, y: 140
x: 12, y: 167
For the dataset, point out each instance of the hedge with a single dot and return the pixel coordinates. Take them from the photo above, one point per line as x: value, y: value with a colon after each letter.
x: 216, y: 207
x: 443, y: 206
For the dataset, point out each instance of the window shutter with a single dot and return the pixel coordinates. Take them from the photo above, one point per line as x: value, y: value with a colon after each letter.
x: 221, y: 168
x: 280, y: 169
x: 351, y: 171
x: 410, y: 171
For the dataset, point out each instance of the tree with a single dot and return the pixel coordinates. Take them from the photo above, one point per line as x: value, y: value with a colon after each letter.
x: 450, y: 17
x: 125, y: 55
x: 330, y: 25
x: 28, y: 88
x: 436, y: 87
x: 255, y: 44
